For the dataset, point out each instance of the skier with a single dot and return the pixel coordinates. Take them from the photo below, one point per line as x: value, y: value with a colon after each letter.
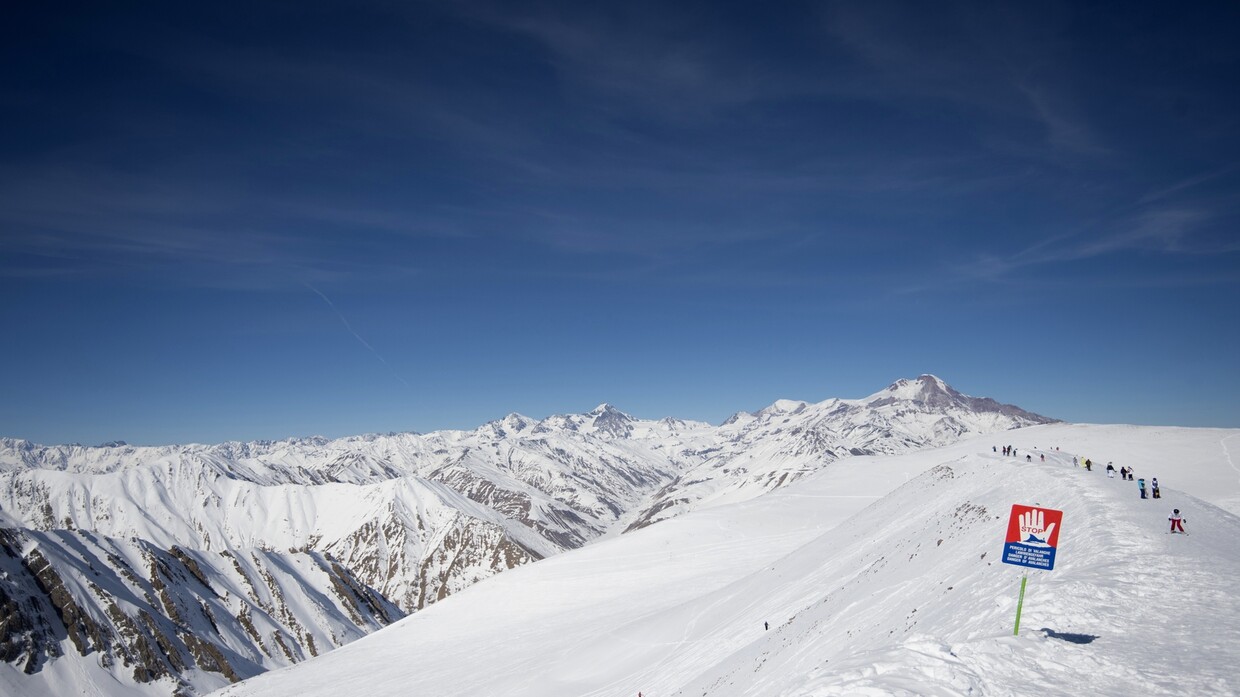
x: 1089, y: 465
x: 1154, y: 492
x: 1074, y: 462
x: 1123, y: 473
x: 766, y: 626
x: 1110, y: 471
x: 1141, y: 486
x: 1177, y: 521
x: 1043, y: 456
x: 1028, y: 458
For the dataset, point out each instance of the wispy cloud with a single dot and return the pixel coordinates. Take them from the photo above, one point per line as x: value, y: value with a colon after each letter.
x: 1000, y: 64
x: 1065, y: 130
x: 349, y: 327
x: 1167, y: 231
x: 1189, y: 183
x: 85, y: 219
x: 658, y: 61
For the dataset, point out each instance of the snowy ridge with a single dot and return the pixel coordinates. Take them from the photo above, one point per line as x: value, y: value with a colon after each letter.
x: 872, y: 584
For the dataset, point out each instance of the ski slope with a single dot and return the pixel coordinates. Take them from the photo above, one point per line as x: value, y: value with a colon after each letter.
x: 879, y: 575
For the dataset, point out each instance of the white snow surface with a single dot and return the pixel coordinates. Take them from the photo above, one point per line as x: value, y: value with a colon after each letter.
x: 878, y: 575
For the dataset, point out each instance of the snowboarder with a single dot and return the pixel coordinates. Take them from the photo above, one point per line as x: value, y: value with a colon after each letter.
x: 1154, y: 492
x: 1110, y: 471
x: 1177, y: 521
x: 1141, y: 486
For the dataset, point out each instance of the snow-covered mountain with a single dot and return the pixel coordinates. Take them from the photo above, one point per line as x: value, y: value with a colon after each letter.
x: 776, y: 446
x: 406, y: 518
x: 171, y: 619
x: 878, y: 576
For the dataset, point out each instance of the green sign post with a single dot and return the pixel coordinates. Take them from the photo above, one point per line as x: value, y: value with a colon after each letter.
x: 1021, y: 602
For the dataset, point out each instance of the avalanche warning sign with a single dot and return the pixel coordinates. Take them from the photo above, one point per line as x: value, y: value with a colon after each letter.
x: 1032, y: 537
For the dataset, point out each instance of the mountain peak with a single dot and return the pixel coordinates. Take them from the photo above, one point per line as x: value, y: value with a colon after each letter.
x: 512, y: 423
x: 784, y: 406
x: 933, y: 393
x: 608, y: 419
x: 925, y: 388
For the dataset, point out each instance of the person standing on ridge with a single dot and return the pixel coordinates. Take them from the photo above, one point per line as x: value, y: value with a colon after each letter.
x: 1154, y: 492
x: 1141, y: 486
x: 1177, y: 521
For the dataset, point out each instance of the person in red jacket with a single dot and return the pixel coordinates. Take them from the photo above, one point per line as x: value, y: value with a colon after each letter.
x: 1177, y: 521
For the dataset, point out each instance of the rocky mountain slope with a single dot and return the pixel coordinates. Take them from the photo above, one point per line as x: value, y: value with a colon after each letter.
x: 382, y: 523
x: 174, y: 619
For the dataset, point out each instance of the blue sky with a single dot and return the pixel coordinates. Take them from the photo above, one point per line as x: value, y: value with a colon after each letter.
x: 223, y: 223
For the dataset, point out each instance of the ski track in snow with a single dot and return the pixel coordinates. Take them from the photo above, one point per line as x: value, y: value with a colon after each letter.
x: 1227, y: 453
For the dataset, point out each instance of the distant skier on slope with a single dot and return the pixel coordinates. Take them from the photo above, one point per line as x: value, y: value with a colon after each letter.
x: 1089, y: 465
x: 1110, y: 471
x: 1141, y: 486
x: 1177, y: 521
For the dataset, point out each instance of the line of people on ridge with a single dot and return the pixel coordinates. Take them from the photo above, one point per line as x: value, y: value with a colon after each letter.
x: 1126, y: 473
